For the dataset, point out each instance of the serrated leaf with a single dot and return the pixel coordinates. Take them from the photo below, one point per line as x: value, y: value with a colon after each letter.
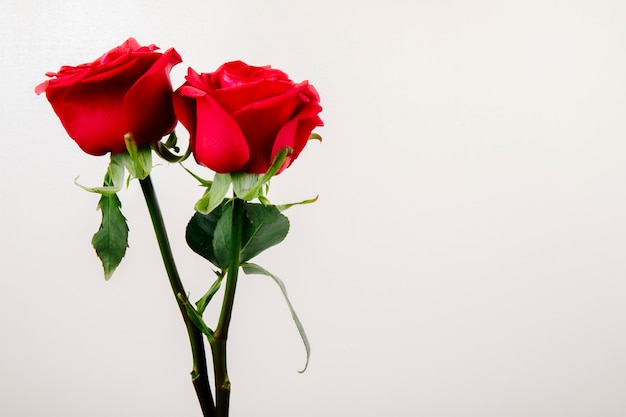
x: 249, y: 269
x: 111, y: 239
x: 200, y: 231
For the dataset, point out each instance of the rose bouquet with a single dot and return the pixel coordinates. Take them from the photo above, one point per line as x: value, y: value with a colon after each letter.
x: 245, y: 123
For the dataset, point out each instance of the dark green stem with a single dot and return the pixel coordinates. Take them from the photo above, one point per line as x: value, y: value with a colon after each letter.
x: 222, y: 383
x: 199, y: 374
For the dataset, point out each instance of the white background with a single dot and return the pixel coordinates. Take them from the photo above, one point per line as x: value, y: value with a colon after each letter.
x: 466, y: 256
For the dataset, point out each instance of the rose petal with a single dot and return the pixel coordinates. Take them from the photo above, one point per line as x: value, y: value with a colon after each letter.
x: 92, y: 115
x: 236, y: 73
x: 296, y: 132
x: 260, y: 123
x: 185, y: 111
x: 235, y: 98
x: 219, y: 143
x: 148, y: 107
x: 200, y: 81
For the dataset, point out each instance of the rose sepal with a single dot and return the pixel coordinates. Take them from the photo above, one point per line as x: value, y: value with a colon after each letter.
x: 137, y: 159
x: 283, y: 207
x: 315, y: 136
x: 250, y: 186
x: 214, y: 194
x: 114, y: 178
x: 164, y: 149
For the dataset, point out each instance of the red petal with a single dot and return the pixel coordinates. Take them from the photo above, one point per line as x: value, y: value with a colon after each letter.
x: 261, y: 122
x: 296, y: 132
x: 219, y: 143
x: 185, y: 110
x: 92, y: 115
x: 148, y: 107
x: 235, y: 98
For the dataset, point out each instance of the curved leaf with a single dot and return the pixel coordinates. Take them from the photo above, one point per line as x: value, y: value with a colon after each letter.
x: 250, y: 268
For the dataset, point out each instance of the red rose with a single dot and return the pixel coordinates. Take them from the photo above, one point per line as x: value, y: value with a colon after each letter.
x: 127, y: 90
x: 239, y: 117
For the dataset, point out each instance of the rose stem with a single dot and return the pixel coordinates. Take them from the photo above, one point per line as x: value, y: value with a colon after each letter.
x: 199, y: 373
x: 222, y: 383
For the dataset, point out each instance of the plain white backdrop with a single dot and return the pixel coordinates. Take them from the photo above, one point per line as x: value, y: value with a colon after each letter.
x: 466, y: 256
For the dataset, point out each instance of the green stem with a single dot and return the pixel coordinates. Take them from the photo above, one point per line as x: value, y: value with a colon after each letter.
x: 222, y: 383
x: 199, y: 374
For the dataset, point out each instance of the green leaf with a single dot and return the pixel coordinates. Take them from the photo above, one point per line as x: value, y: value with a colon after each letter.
x: 266, y: 227
x: 111, y: 239
x: 222, y: 237
x: 214, y: 193
x: 200, y: 231
x: 249, y: 269
x: 209, y: 235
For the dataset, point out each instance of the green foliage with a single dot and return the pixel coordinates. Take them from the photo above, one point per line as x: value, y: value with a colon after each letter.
x: 200, y: 231
x: 249, y: 269
x: 209, y: 234
x: 266, y: 227
x: 111, y: 239
x: 222, y: 237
